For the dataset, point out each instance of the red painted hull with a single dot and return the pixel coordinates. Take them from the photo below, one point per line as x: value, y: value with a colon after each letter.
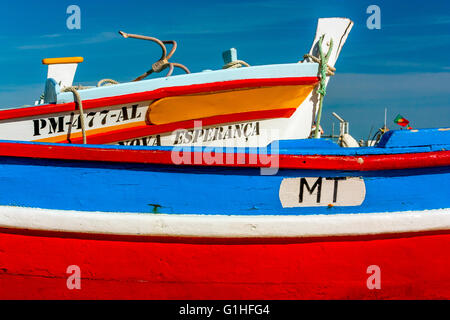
x: 414, y: 267
x: 285, y: 161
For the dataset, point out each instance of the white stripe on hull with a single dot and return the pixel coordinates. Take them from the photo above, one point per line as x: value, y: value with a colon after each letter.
x: 216, y: 226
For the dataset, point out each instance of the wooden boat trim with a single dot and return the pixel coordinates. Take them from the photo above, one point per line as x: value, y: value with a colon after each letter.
x: 164, y: 156
x: 148, y: 226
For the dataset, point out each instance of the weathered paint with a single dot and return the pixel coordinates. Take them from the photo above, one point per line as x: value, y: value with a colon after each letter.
x: 412, y: 267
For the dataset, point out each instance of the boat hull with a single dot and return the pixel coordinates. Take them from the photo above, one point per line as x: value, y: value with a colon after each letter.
x: 107, y: 222
x: 411, y: 266
x: 170, y: 189
x: 158, y: 107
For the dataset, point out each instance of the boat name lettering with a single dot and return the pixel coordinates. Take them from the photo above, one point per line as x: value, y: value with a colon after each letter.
x: 241, y: 130
x: 144, y: 141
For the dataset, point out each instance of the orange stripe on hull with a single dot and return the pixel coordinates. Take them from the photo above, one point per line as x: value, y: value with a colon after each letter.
x: 203, y: 105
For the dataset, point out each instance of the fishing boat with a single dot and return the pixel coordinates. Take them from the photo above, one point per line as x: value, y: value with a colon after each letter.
x: 293, y: 216
x: 164, y: 111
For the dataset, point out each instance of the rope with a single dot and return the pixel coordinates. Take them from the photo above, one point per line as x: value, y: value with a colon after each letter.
x: 77, y: 99
x: 163, y: 62
x: 323, y: 66
x: 330, y: 70
x: 78, y: 88
x: 323, y: 70
x: 104, y: 81
x: 235, y: 64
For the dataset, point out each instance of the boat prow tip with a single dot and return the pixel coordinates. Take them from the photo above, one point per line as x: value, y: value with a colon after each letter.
x: 335, y: 32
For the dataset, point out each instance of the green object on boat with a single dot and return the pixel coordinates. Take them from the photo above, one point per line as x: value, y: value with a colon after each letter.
x: 323, y: 68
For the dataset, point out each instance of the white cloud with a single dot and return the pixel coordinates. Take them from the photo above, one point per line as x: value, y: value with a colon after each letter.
x: 41, y: 46
x: 97, y: 38
x: 101, y: 37
x: 55, y: 35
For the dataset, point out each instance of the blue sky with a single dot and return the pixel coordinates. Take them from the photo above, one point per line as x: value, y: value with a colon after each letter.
x: 405, y: 66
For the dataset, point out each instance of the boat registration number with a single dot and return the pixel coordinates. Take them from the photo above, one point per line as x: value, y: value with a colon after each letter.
x: 322, y: 192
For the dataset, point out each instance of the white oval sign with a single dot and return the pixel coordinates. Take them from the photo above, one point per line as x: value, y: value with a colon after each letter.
x: 322, y: 192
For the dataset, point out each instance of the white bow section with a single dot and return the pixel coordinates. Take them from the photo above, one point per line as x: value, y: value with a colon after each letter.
x: 62, y: 73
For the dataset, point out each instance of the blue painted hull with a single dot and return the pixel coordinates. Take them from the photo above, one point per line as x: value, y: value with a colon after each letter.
x: 142, y: 188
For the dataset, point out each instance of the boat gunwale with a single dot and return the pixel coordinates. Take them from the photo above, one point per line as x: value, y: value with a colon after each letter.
x: 157, y: 93
x: 350, y: 159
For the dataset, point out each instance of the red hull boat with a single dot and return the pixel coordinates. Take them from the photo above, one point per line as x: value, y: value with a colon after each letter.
x: 411, y: 266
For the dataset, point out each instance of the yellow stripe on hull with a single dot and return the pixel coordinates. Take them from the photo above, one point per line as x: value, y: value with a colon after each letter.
x: 197, y: 106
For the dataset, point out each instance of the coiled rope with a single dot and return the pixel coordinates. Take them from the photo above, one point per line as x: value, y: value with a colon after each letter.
x: 163, y: 62
x: 235, y: 64
x: 106, y: 81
